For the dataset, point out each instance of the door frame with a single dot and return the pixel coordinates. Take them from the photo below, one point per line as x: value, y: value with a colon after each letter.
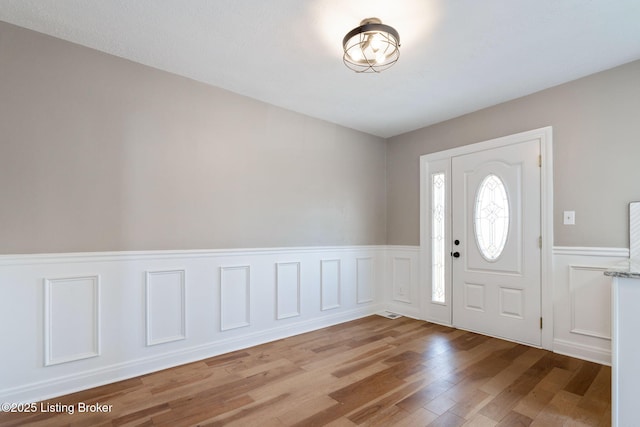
x: 442, y: 313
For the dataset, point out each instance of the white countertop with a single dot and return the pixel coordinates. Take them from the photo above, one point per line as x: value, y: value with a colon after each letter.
x: 628, y: 269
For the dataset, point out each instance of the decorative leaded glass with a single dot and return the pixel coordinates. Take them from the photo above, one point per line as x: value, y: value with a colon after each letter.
x: 491, y: 217
x: 437, y: 237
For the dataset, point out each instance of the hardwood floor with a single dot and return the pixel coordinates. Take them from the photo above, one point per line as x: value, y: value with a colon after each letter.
x: 373, y: 371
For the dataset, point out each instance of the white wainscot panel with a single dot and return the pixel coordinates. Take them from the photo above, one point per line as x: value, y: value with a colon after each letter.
x: 365, y: 279
x: 330, y: 283
x: 590, y: 289
x: 582, y: 301
x: 166, y: 310
x: 72, y: 319
x: 235, y: 297
x: 287, y: 289
x: 117, y: 305
x: 402, y: 279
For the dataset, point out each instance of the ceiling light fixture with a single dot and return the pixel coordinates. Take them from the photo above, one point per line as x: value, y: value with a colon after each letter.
x: 372, y: 47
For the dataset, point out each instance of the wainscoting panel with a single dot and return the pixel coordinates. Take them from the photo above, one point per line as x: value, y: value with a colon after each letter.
x: 402, y: 279
x: 582, y: 301
x: 79, y: 320
x: 365, y: 279
x: 288, y: 289
x: 590, y: 288
x: 404, y: 291
x: 165, y: 295
x: 225, y: 300
x: 235, y: 297
x: 72, y: 319
x: 330, y: 283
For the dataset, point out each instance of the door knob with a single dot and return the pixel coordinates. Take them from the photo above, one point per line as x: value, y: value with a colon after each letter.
x: 456, y: 242
x: 456, y: 254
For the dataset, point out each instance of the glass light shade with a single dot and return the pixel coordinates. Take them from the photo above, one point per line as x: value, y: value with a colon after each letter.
x: 372, y: 47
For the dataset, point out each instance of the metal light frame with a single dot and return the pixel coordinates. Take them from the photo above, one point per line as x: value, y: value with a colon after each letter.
x: 358, y: 51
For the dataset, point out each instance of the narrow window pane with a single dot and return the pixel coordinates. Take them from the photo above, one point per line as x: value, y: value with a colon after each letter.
x: 491, y: 219
x: 437, y: 237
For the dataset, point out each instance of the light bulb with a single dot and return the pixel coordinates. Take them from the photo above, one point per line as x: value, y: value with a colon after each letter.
x: 375, y: 42
x: 380, y: 57
x: 369, y: 53
x: 355, y: 53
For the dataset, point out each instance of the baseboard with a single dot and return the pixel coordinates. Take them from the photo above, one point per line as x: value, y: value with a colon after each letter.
x: 582, y: 351
x: 407, y: 311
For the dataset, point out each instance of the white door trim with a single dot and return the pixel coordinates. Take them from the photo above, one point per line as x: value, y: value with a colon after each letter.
x: 546, y: 204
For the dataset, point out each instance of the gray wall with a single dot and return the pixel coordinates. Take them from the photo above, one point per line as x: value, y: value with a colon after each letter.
x: 98, y: 153
x: 596, y: 138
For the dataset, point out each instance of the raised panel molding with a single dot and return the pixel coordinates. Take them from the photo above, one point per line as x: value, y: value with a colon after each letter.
x: 590, y: 293
x: 287, y: 290
x: 165, y: 306
x: 209, y: 296
x: 512, y: 302
x: 474, y: 296
x: 235, y: 297
x: 582, y: 301
x: 72, y: 319
x: 365, y: 280
x: 330, y: 284
x: 402, y: 279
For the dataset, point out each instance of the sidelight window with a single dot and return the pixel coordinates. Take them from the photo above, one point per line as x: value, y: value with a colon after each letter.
x: 438, y: 237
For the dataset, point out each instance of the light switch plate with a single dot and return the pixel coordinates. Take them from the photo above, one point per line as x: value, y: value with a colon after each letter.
x: 569, y: 217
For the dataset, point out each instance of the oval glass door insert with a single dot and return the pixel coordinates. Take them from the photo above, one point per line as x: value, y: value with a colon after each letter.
x: 491, y: 217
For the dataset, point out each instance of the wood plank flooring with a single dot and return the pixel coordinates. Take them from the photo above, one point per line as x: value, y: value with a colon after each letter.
x: 373, y: 372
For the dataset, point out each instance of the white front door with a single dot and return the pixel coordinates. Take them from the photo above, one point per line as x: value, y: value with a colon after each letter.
x: 495, y: 232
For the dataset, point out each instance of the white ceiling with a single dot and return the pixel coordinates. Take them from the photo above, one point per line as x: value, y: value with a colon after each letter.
x: 457, y: 56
